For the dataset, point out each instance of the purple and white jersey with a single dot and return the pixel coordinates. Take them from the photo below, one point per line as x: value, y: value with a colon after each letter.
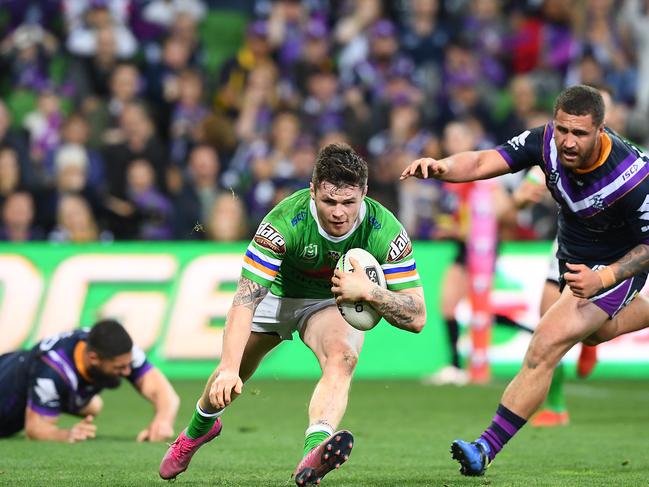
x: 603, y: 213
x: 54, y: 383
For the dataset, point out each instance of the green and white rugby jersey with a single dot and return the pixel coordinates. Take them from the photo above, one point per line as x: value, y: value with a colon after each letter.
x: 293, y: 256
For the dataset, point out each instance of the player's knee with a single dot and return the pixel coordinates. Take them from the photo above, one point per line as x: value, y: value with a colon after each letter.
x: 343, y: 361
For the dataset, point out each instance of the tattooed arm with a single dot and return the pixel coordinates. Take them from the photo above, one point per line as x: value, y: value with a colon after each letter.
x: 402, y: 309
x: 634, y: 262
x: 585, y: 282
x: 224, y: 385
x: 239, y: 321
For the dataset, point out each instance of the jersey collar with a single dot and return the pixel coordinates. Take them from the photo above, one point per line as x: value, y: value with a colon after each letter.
x: 603, y: 155
x: 79, y: 350
x: 331, y: 238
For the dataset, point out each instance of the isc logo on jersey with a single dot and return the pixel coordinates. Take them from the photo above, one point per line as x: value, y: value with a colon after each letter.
x: 268, y: 237
x: 399, y: 247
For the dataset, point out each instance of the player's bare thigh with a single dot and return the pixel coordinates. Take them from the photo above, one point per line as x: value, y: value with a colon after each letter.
x: 565, y: 323
x: 633, y: 317
x: 326, y: 333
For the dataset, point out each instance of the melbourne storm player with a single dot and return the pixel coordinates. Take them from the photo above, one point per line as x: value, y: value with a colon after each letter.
x: 600, y: 182
x: 65, y: 374
x: 286, y: 286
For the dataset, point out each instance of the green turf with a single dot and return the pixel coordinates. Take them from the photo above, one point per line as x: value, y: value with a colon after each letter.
x: 403, y: 431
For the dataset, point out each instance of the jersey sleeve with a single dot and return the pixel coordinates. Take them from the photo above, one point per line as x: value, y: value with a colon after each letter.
x: 265, y: 253
x: 48, y: 388
x: 140, y: 365
x: 398, y: 262
x: 524, y: 150
x: 637, y: 212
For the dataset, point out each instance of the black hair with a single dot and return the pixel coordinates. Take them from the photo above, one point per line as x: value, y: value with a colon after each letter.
x: 339, y: 165
x: 581, y: 100
x: 108, y: 339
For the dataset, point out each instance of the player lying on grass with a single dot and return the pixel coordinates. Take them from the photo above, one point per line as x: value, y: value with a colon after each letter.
x: 65, y: 373
x: 286, y: 286
x: 600, y: 182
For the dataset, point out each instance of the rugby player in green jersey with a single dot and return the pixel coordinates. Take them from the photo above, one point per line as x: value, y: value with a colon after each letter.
x: 287, y: 285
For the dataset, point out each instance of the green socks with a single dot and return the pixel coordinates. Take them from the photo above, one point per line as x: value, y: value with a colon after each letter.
x: 556, y: 400
x: 201, y: 422
x: 311, y: 440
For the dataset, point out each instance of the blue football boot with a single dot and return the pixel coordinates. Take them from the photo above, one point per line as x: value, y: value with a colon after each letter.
x: 473, y: 457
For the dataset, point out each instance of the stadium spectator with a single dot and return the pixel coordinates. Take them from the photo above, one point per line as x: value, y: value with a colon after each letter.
x: 137, y: 139
x: 598, y: 274
x: 75, y: 222
x: 76, y: 131
x: 43, y: 126
x: 234, y: 72
x: 280, y: 258
x: 162, y: 13
x: 91, y: 75
x: 199, y: 191
x: 228, y: 219
x: 26, y: 54
x: 66, y: 373
x: 10, y: 137
x: 10, y: 173
x: 18, y: 218
x: 84, y: 18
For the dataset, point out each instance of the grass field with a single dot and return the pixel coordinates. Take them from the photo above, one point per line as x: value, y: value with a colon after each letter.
x: 403, y: 431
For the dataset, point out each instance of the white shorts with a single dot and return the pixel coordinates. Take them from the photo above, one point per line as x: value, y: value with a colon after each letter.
x: 553, y: 265
x: 283, y: 316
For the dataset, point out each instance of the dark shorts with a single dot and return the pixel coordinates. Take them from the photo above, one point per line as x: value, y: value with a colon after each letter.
x: 610, y: 300
x: 13, y: 398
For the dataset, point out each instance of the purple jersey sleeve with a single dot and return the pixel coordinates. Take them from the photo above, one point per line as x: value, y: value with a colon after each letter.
x: 636, y: 206
x: 139, y: 365
x: 49, y: 387
x: 525, y: 150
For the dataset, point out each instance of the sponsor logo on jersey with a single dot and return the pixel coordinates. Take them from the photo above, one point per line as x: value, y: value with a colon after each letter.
x: 298, y: 218
x: 518, y: 142
x: 268, y: 237
x: 333, y: 255
x: 630, y: 171
x: 399, y: 247
x: 310, y: 252
x: 374, y: 222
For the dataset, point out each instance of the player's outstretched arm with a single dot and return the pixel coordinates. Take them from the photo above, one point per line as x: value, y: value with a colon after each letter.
x: 44, y: 428
x: 155, y: 387
x: 225, y: 382
x: 585, y: 282
x: 461, y: 167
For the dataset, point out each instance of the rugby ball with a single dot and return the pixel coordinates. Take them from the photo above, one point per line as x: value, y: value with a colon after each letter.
x: 361, y: 315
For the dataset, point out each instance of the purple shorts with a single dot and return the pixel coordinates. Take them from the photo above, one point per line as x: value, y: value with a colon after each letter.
x: 611, y: 300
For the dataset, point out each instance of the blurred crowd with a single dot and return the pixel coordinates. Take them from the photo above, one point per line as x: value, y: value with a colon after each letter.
x: 117, y: 123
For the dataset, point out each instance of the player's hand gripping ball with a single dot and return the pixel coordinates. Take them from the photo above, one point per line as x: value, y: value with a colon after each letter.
x: 361, y: 315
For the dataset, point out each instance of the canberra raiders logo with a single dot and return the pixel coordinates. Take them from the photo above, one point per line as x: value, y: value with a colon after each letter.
x: 333, y: 255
